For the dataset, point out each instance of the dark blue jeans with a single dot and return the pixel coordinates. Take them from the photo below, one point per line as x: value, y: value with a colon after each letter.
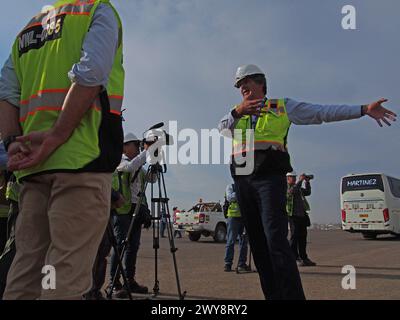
x: 262, y: 202
x: 121, y: 226
x: 235, y: 229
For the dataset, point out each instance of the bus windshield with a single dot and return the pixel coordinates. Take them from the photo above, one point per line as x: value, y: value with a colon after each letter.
x: 365, y: 182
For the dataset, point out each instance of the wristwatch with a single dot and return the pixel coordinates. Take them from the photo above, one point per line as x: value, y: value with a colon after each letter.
x: 7, y: 141
x: 362, y: 110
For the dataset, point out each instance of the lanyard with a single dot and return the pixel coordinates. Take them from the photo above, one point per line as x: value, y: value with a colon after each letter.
x: 254, y: 118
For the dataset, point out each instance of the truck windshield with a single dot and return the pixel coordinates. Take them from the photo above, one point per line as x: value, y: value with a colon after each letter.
x: 365, y: 182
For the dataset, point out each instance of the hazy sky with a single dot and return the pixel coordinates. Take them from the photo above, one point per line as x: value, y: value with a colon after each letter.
x: 180, y: 60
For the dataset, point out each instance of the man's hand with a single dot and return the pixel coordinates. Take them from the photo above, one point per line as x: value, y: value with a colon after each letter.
x: 18, y: 148
x: 33, y: 149
x: 302, y: 177
x: 17, y: 151
x: 250, y: 107
x: 379, y: 113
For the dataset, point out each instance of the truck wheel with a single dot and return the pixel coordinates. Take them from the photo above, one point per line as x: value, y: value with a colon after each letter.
x: 194, y: 236
x: 367, y: 235
x: 220, y: 233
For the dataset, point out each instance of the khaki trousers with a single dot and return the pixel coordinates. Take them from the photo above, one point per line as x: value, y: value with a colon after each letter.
x: 61, y: 223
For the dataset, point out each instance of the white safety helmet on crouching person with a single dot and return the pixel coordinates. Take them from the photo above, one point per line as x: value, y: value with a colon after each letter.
x: 130, y: 137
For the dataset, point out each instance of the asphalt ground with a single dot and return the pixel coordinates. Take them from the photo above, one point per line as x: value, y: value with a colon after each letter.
x: 200, y: 265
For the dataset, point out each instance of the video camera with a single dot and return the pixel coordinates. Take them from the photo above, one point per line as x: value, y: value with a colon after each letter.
x: 309, y: 176
x: 154, y: 134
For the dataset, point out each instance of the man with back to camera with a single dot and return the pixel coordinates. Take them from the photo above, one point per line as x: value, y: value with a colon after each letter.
x: 261, y: 192
x: 297, y: 208
x: 60, y: 101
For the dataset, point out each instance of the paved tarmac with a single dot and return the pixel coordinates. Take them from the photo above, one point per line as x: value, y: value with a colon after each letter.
x: 200, y: 265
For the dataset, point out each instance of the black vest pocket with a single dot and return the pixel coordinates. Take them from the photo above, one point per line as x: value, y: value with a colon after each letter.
x: 111, y: 138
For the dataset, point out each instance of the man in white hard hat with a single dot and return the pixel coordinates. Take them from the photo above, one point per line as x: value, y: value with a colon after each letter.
x: 128, y: 180
x: 297, y: 208
x: 262, y: 193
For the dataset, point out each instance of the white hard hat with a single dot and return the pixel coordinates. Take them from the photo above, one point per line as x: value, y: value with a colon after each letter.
x: 130, y: 137
x: 245, y: 71
x: 291, y: 174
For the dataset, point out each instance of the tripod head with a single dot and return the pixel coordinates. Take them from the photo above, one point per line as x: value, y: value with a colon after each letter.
x: 158, y: 168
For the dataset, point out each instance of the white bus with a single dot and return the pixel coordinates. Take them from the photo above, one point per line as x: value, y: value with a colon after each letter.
x: 370, y: 204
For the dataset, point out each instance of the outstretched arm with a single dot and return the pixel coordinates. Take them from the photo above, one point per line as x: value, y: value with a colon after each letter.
x: 304, y: 113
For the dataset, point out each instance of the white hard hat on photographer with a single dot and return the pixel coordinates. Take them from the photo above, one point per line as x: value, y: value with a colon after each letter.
x: 291, y: 174
x: 245, y: 71
x: 129, y: 137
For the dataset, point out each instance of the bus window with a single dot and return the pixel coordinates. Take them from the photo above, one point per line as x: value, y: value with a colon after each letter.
x: 365, y: 182
x: 394, y: 186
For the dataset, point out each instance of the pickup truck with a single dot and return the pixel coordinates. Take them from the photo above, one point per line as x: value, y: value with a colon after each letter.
x: 204, y: 219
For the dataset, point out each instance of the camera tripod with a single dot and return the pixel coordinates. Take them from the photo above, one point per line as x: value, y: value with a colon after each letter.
x: 118, y: 257
x: 158, y: 204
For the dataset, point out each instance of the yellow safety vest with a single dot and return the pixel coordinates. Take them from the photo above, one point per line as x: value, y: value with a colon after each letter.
x: 271, y: 129
x: 233, y: 210
x: 43, y: 54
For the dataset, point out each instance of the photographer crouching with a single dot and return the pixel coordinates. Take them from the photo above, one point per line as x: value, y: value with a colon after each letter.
x: 297, y: 208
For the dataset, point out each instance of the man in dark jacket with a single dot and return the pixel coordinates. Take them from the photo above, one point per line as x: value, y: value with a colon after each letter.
x: 297, y: 208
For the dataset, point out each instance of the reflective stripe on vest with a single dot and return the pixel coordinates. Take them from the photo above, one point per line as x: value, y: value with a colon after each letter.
x: 233, y: 210
x: 43, y: 54
x: 77, y: 8
x: 53, y: 99
x: 270, y: 132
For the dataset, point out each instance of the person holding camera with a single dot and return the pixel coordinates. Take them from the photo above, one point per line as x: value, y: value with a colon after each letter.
x: 128, y: 180
x: 297, y: 208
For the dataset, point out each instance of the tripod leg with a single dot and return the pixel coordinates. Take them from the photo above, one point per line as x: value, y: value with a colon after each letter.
x: 156, y: 239
x: 120, y: 268
x: 171, y: 240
